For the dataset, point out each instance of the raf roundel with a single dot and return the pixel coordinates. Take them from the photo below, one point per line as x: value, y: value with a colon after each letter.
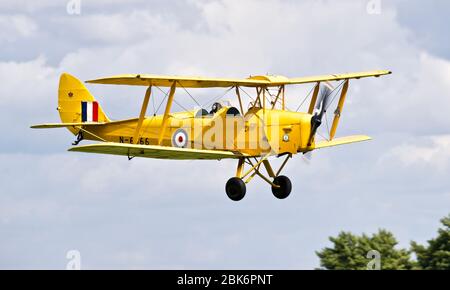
x: 179, y: 138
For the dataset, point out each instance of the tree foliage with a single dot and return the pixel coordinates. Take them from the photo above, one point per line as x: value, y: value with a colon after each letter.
x: 436, y: 256
x: 349, y: 252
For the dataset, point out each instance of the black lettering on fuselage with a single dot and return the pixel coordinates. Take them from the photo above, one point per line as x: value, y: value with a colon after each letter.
x: 142, y: 141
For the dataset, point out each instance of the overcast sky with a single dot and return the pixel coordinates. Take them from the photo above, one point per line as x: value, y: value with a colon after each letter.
x: 168, y: 214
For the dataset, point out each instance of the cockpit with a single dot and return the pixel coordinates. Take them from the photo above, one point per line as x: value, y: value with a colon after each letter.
x: 215, y: 108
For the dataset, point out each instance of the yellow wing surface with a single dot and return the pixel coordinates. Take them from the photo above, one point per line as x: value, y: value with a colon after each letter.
x: 153, y: 151
x: 64, y: 125
x: 204, y: 82
x: 165, y: 152
x: 341, y: 141
x: 167, y: 81
x: 338, y: 77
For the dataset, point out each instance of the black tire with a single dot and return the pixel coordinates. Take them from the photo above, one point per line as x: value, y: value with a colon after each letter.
x: 285, y: 188
x: 235, y: 189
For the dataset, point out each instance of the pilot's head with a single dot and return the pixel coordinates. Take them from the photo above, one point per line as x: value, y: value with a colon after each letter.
x: 215, y: 107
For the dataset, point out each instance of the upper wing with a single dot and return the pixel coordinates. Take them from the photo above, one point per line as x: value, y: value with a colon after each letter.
x: 153, y: 151
x: 341, y: 141
x: 338, y: 77
x: 203, y: 82
x: 63, y: 125
x: 167, y: 81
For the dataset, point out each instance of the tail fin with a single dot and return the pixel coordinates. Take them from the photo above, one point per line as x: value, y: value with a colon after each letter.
x: 76, y: 104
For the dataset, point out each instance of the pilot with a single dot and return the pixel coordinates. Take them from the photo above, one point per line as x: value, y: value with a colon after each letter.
x: 215, y: 107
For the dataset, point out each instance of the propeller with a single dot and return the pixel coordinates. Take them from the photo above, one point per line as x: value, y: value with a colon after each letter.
x: 323, y: 100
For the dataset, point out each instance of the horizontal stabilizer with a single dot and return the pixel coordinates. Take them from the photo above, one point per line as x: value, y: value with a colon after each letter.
x: 64, y: 125
x: 342, y: 141
x: 158, y: 152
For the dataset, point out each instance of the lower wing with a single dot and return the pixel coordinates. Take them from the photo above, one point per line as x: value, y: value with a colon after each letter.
x: 342, y: 141
x: 159, y: 152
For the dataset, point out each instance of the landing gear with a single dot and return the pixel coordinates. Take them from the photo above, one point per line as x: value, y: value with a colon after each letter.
x: 235, y: 188
x: 284, y: 187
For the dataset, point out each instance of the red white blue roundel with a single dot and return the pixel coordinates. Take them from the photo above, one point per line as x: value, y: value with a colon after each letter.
x: 180, y: 138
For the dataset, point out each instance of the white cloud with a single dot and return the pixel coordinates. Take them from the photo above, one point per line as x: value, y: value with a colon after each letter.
x: 27, y: 83
x: 434, y: 153
x: 13, y: 27
x: 126, y: 28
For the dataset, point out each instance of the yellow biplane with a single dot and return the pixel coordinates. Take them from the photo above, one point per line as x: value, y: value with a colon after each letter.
x: 251, y: 133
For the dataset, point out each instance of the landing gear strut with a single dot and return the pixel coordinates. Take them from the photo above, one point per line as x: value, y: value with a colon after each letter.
x: 236, y: 186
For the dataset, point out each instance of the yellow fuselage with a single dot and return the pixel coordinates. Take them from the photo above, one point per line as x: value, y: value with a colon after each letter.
x: 258, y: 132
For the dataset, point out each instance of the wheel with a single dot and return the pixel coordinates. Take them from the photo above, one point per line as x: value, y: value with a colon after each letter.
x: 285, y: 187
x: 235, y: 188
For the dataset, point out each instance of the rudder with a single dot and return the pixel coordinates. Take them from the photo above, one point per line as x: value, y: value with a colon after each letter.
x: 76, y: 104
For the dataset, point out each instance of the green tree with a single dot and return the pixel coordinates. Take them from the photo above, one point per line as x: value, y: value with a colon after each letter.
x: 349, y: 252
x: 437, y: 255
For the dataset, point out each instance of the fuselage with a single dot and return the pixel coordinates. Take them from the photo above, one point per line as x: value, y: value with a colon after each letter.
x: 256, y: 133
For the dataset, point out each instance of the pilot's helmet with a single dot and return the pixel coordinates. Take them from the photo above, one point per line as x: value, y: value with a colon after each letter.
x: 216, y: 107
